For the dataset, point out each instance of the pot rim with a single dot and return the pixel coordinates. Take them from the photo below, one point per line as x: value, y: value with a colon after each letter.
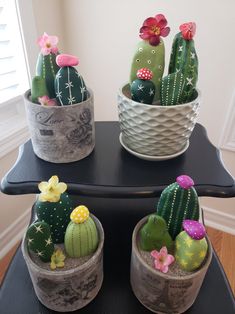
x: 69, y: 271
x: 28, y: 93
x: 198, y: 98
x: 158, y: 273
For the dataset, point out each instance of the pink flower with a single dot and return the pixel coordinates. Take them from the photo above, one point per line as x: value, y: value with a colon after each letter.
x: 48, y: 44
x: 46, y: 101
x: 162, y: 259
x: 153, y: 28
x: 188, y: 30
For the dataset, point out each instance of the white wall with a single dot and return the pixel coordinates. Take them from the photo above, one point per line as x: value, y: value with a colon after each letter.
x: 103, y: 34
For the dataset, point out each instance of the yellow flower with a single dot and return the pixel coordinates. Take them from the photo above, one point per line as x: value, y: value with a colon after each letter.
x: 57, y: 259
x: 80, y: 214
x: 51, y: 190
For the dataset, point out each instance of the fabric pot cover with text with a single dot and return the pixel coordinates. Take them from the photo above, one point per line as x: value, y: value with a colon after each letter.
x: 61, y: 134
x: 155, y: 130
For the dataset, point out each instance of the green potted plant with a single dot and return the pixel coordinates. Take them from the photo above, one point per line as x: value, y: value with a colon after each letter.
x: 157, y: 113
x: 170, y: 251
x: 63, y: 250
x: 59, y: 107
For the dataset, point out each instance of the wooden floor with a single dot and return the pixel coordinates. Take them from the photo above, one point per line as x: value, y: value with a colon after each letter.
x: 224, y: 245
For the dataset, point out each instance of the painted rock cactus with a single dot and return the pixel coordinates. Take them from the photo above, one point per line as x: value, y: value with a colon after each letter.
x: 191, y: 245
x: 179, y: 201
x: 46, y: 66
x: 184, y: 58
x: 38, y: 237
x: 150, y: 53
x: 154, y: 234
x: 38, y: 88
x: 69, y: 85
x: 143, y: 89
x: 81, y: 237
x: 54, y: 207
x: 172, y: 87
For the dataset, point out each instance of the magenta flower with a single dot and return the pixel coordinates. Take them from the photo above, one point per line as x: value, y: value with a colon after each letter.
x: 46, y: 101
x: 162, y: 259
x: 153, y: 28
x: 188, y: 30
x: 48, y: 44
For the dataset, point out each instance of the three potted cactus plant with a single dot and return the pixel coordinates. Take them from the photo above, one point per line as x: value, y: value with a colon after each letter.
x: 158, y: 120
x: 63, y: 250
x: 170, y: 251
x: 62, y: 127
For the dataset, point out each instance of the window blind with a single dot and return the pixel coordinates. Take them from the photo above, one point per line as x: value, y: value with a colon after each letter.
x: 13, y: 69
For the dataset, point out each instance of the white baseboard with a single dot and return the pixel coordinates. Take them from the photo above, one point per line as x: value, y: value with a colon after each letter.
x: 14, y: 233
x: 219, y: 220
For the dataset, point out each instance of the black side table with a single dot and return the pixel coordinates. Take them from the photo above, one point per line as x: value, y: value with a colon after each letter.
x: 120, y: 189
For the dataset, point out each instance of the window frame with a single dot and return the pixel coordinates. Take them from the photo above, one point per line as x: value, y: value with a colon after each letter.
x: 16, y: 132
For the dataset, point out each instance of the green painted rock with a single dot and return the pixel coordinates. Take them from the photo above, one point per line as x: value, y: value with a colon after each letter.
x: 154, y: 234
x: 47, y: 68
x: 38, y: 237
x: 70, y: 87
x: 151, y: 57
x: 81, y: 237
x: 142, y: 89
x: 178, y: 201
x: 172, y: 87
x: 191, y: 246
x: 39, y: 88
x: 56, y: 214
x: 184, y: 58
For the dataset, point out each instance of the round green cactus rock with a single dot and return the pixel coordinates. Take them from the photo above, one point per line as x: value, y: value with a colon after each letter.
x: 142, y: 89
x: 81, y: 237
x: 191, y: 249
x: 38, y: 237
x: 56, y: 214
x: 151, y: 57
x: 154, y: 234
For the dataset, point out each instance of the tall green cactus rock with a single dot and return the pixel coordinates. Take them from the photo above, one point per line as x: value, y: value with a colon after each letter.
x: 151, y: 57
x: 81, y: 237
x: 172, y: 87
x: 143, y: 89
x: 54, y: 207
x: 47, y: 68
x: 38, y: 237
x: 70, y: 87
x: 184, y: 58
x: 38, y: 88
x: 179, y: 201
x: 191, y: 246
x: 154, y: 234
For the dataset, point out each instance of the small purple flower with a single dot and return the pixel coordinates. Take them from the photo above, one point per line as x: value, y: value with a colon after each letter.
x: 194, y: 229
x: 185, y: 182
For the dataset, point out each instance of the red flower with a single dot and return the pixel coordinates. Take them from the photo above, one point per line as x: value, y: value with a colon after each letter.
x: 153, y: 28
x: 188, y: 30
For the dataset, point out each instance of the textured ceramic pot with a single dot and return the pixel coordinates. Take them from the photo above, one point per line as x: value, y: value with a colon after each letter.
x: 61, y: 134
x: 69, y: 290
x: 162, y: 293
x: 155, y: 130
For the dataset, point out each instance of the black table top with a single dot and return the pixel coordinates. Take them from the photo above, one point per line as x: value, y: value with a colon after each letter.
x: 115, y: 297
x: 110, y: 171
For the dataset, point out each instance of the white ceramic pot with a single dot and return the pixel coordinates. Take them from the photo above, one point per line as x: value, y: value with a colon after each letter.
x: 155, y: 130
x: 163, y: 293
x: 61, y: 134
x: 68, y: 290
